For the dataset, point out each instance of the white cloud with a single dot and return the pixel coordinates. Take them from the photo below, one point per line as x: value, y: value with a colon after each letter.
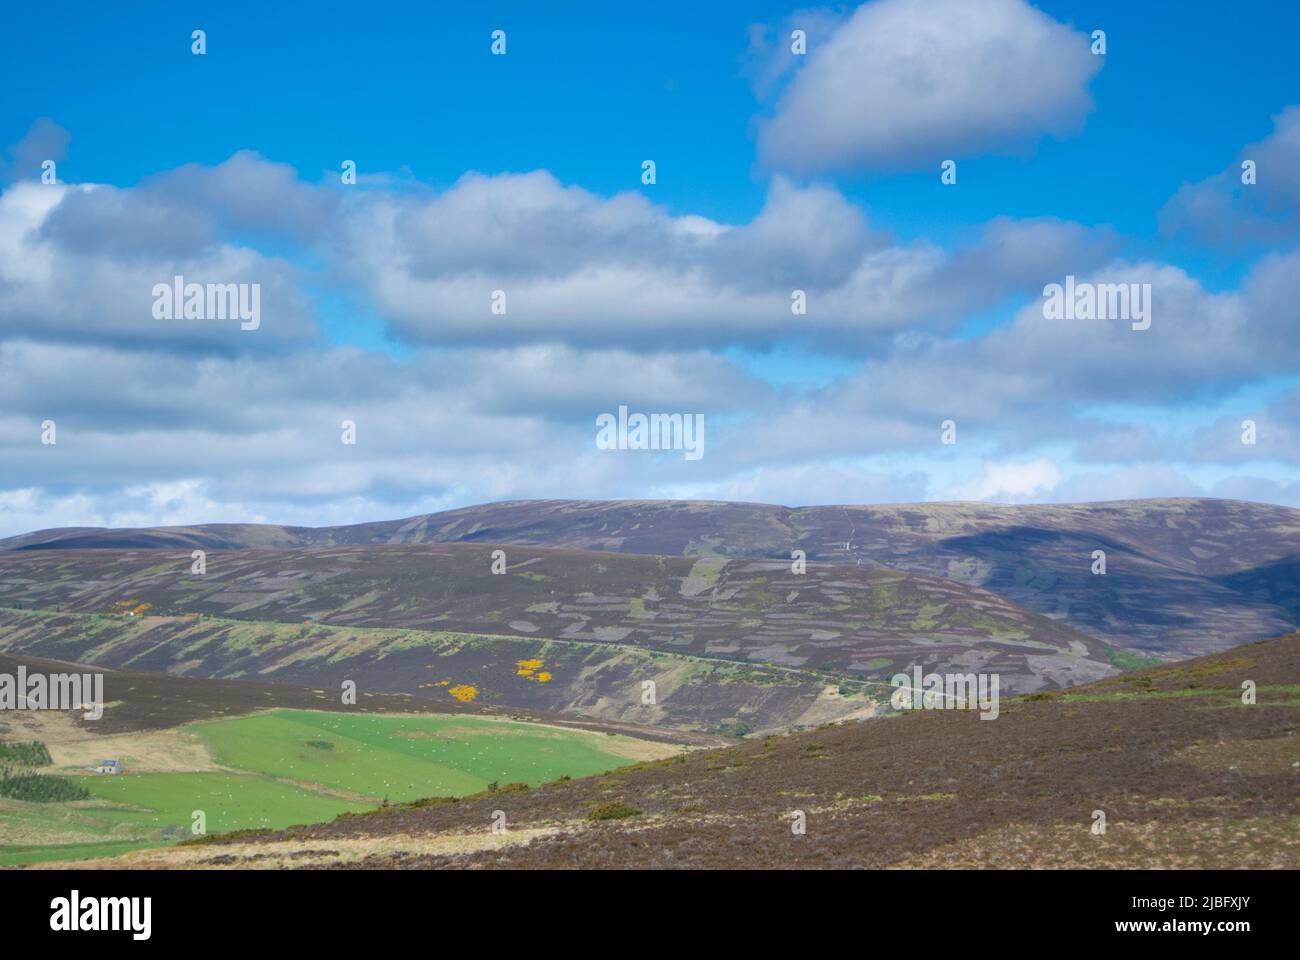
x: 905, y: 84
x: 612, y: 300
x: 596, y: 272
x: 79, y: 263
x: 1012, y: 482
x: 576, y: 268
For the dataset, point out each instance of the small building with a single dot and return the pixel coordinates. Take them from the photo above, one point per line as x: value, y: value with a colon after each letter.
x: 109, y: 766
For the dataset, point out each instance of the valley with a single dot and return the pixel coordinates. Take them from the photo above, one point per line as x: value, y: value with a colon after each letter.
x: 665, y: 680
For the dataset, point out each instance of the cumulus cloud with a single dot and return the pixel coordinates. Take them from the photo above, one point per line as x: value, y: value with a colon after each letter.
x: 1223, y: 211
x: 612, y: 300
x: 593, y: 271
x: 770, y: 55
x: 262, y: 431
x: 575, y: 267
x: 905, y: 84
x: 1037, y: 381
x: 1198, y: 342
x: 80, y: 263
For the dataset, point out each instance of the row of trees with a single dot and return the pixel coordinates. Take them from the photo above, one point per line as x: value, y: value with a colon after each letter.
x: 35, y: 788
x: 32, y: 754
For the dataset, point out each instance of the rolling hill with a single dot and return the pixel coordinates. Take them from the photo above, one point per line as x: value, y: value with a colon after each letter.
x: 859, y: 621
x: 1184, y: 576
x: 575, y: 606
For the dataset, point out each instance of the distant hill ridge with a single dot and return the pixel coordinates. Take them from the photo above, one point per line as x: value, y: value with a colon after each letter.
x: 661, y: 527
x: 1183, y: 576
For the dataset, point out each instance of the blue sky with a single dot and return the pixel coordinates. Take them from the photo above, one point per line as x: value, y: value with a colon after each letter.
x: 1118, y: 167
x: 588, y: 89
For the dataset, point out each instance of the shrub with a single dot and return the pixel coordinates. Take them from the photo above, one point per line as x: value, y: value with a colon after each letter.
x: 245, y: 834
x: 614, y: 810
x: 430, y: 802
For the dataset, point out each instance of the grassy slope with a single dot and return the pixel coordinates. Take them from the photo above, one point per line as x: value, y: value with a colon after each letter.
x: 288, y: 776
x: 1187, y: 774
x: 404, y: 758
x: 229, y: 801
x: 591, y: 678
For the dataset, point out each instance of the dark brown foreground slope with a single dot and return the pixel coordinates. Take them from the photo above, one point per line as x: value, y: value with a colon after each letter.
x: 1185, y: 773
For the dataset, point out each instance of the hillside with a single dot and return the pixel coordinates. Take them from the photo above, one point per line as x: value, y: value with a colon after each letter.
x: 139, y: 702
x: 593, y: 681
x: 1186, y: 774
x: 250, y: 755
x: 578, y: 617
x: 850, y: 620
x: 1184, y: 576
